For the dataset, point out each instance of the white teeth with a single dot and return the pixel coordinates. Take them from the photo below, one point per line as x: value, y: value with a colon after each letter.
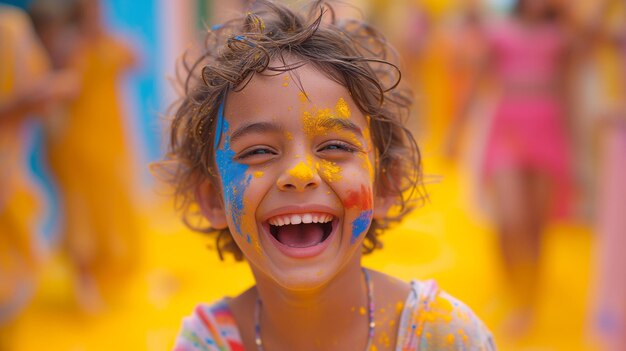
x: 300, y: 218
x: 295, y: 219
x: 307, y: 218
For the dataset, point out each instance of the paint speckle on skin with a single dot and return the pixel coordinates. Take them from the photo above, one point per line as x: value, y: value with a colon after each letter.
x: 248, y: 239
x: 450, y: 339
x: 361, y: 224
x: 301, y: 171
x: 286, y: 81
x: 258, y: 174
x: 399, y: 306
x: 302, y: 97
x: 352, y: 309
x: 367, y: 135
x: 384, y: 339
x: 342, y: 109
x: 233, y: 175
x: 362, y: 311
x: 330, y: 171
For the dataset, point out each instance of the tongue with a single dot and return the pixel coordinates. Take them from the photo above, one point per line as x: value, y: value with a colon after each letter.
x: 300, y: 235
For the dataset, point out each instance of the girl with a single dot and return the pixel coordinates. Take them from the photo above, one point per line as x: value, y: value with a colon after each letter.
x: 290, y: 141
x: 88, y: 146
x: 527, y: 156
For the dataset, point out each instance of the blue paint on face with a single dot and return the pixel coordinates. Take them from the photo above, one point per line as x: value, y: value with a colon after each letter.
x: 361, y: 225
x: 233, y: 175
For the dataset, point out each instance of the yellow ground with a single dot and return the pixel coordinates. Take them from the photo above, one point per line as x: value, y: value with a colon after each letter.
x: 446, y: 240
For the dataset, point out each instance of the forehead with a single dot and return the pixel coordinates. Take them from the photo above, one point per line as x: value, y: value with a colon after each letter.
x: 271, y: 96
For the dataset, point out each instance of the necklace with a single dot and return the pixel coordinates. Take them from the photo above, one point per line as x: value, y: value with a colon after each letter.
x: 371, y: 322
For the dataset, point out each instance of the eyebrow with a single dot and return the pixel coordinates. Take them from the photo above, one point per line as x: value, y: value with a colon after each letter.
x: 334, y: 123
x: 255, y: 127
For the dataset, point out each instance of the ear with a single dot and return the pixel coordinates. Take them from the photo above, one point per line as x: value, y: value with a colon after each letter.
x: 211, y: 205
x: 382, y: 205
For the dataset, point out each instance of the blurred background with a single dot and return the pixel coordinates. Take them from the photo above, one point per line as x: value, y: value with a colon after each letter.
x: 520, y: 114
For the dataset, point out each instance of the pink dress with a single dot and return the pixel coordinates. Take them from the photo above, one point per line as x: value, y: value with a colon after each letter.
x: 431, y: 320
x: 528, y: 128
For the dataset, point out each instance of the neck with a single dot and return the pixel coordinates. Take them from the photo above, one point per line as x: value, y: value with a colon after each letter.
x: 329, y: 317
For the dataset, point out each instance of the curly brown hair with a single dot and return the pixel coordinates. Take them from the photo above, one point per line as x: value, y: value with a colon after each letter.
x: 349, y: 52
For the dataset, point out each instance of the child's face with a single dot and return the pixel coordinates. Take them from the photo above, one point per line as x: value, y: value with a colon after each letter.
x: 282, y: 159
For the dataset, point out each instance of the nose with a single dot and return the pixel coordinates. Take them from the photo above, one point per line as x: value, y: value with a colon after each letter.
x: 299, y: 178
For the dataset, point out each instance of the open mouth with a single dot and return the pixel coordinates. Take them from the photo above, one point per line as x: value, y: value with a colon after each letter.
x: 301, y: 230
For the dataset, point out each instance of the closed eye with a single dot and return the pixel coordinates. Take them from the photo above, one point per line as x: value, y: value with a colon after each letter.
x: 338, y: 146
x: 255, y: 152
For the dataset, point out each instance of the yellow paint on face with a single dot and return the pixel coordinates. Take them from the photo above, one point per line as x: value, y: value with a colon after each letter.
x: 342, y: 109
x: 288, y: 136
x: 286, y: 81
x: 302, y: 97
x: 258, y: 174
x: 367, y: 135
x: 302, y: 172
x: 311, y: 123
x: 330, y: 171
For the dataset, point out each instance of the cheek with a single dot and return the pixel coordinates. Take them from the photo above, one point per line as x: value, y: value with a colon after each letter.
x: 360, y: 200
x: 329, y: 171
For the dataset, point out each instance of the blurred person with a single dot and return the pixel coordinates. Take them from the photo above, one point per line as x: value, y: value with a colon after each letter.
x: 88, y: 151
x: 27, y: 88
x: 527, y: 158
x: 609, y: 307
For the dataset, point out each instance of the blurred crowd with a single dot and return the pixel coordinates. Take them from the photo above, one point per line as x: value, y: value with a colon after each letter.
x: 59, y: 70
x: 531, y: 94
